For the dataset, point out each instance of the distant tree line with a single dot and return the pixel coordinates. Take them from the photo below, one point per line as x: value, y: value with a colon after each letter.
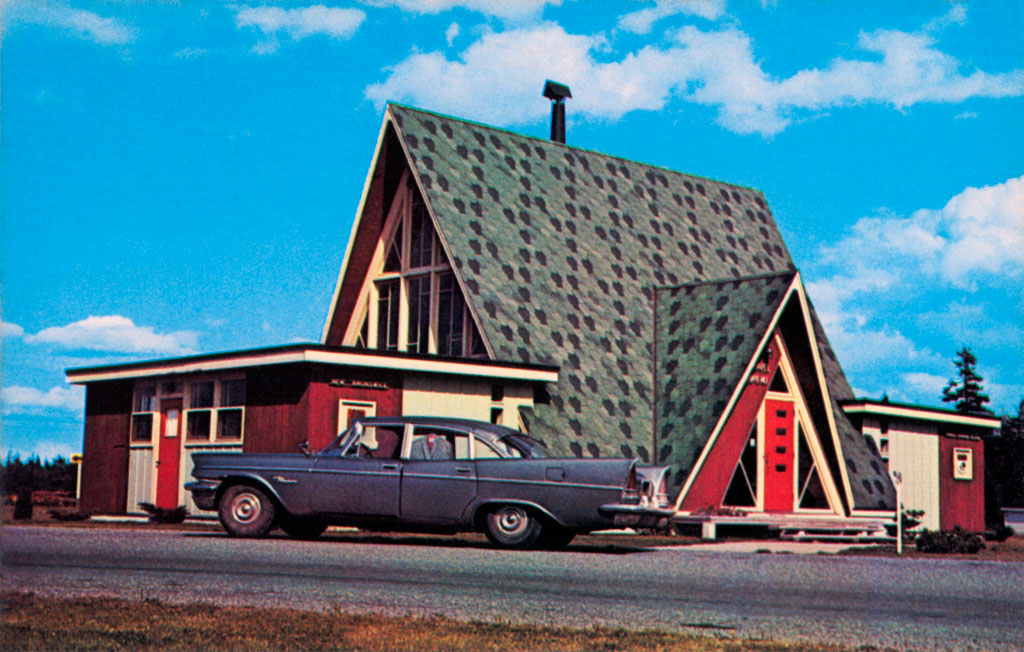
x: 34, y: 474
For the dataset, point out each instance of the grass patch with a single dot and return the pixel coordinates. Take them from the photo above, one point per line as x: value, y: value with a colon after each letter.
x: 31, y: 622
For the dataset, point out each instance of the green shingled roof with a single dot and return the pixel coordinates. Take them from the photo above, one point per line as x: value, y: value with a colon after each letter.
x: 707, y: 335
x: 559, y: 250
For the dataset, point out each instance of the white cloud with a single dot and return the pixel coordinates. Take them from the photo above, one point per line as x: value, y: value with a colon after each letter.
x: 980, y: 231
x: 7, y: 329
x: 925, y: 384
x: 451, y: 33
x: 986, y: 231
x: 494, y: 79
x: 298, y: 23
x: 641, y: 21
x: 893, y: 275
x: 115, y: 333
x: 513, y: 10
x: 87, y: 25
x: 16, y: 398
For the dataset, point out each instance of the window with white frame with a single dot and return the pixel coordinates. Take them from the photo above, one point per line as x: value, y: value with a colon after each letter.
x: 414, y: 302
x: 216, y: 410
x: 143, y: 412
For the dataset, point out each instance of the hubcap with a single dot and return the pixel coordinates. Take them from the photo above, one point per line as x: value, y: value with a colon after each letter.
x: 246, y: 508
x: 512, y: 520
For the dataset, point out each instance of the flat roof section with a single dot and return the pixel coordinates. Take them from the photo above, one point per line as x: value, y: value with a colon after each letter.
x: 864, y: 406
x: 315, y: 353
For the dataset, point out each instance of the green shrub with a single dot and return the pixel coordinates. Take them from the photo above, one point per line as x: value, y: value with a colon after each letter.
x: 1000, y: 533
x: 947, y: 542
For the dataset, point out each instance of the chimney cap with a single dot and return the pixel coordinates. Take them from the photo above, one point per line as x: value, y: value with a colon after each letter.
x: 555, y: 91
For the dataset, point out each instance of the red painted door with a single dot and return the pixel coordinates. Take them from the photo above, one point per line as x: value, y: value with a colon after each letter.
x: 169, y: 461
x: 779, y: 442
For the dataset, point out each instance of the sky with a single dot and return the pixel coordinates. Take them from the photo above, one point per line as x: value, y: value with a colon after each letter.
x: 181, y: 177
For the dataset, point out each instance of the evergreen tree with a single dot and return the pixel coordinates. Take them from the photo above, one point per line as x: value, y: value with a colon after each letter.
x: 965, y: 389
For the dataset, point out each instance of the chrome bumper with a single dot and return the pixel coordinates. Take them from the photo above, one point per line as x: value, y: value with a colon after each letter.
x: 204, y: 494
x: 624, y: 515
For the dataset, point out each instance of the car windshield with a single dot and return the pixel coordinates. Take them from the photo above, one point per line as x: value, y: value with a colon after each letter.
x: 344, y: 439
x: 529, y: 446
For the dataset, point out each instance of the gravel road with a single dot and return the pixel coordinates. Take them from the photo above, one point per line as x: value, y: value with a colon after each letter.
x: 902, y: 603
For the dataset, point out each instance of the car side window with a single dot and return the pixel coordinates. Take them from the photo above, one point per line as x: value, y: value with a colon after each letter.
x: 483, y: 450
x: 430, y: 443
x: 379, y: 442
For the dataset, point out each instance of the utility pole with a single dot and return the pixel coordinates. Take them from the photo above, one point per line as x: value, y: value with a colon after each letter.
x: 897, y: 477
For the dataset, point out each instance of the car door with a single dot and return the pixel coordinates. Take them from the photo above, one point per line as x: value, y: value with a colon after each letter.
x: 437, y: 488
x: 364, y: 480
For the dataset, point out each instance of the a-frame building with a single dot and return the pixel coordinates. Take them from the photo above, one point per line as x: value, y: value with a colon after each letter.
x: 669, y: 302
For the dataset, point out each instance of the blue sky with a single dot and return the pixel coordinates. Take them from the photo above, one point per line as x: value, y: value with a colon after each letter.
x: 182, y: 177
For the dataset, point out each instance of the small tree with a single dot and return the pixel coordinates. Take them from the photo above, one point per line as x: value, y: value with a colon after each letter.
x: 965, y: 389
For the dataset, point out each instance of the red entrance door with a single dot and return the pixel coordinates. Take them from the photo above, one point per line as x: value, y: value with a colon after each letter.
x: 169, y: 461
x: 779, y: 442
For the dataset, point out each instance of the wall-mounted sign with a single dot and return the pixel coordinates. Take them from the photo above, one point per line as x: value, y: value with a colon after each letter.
x: 963, y: 467
x: 361, y: 384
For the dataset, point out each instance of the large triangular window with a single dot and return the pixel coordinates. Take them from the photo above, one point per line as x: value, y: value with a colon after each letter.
x: 810, y: 490
x: 742, y: 491
x: 415, y: 303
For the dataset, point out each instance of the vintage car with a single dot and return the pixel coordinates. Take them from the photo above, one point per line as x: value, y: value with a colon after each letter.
x: 430, y: 474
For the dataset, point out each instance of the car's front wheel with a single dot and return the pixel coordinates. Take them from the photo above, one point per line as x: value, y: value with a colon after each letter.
x: 512, y: 526
x: 246, y: 511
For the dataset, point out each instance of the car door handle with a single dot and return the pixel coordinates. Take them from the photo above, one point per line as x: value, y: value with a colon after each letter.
x: 465, y: 470
x: 389, y: 467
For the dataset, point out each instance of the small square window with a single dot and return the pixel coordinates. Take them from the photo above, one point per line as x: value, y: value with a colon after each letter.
x: 170, y: 388
x: 497, y: 393
x: 202, y: 395
x: 145, y: 398
x: 232, y: 393
x: 142, y: 427
x: 198, y: 424
x: 229, y: 424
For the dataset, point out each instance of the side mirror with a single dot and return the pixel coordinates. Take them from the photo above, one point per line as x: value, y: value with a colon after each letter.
x: 304, y: 447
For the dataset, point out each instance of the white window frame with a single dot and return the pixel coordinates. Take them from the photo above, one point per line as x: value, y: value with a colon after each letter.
x: 366, y: 311
x: 215, y: 409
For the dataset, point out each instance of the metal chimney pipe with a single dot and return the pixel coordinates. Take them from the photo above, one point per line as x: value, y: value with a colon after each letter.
x: 558, y: 122
x: 557, y: 93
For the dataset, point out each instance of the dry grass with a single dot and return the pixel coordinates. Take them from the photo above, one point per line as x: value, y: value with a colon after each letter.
x: 35, y: 623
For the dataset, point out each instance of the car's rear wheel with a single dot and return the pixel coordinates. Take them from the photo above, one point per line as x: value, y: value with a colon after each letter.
x: 246, y: 511
x: 512, y: 526
x: 302, y: 528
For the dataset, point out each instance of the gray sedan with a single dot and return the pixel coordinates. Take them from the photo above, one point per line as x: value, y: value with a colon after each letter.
x: 435, y: 475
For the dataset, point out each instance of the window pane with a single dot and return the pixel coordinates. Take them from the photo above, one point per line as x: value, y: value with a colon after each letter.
x: 393, y: 263
x: 387, y: 315
x: 142, y: 427
x: 421, y: 236
x: 201, y: 395
x: 232, y: 392
x: 198, y: 424
x: 145, y: 398
x: 229, y: 424
x: 419, y: 314
x: 450, y: 316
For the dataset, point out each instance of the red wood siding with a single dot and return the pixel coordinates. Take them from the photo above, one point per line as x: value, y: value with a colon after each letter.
x: 712, y: 481
x: 105, y: 448
x: 961, y: 502
x: 323, y: 399
x: 275, y: 408
x: 288, y: 404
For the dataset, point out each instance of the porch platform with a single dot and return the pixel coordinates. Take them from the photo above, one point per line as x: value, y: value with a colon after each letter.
x: 792, y: 527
